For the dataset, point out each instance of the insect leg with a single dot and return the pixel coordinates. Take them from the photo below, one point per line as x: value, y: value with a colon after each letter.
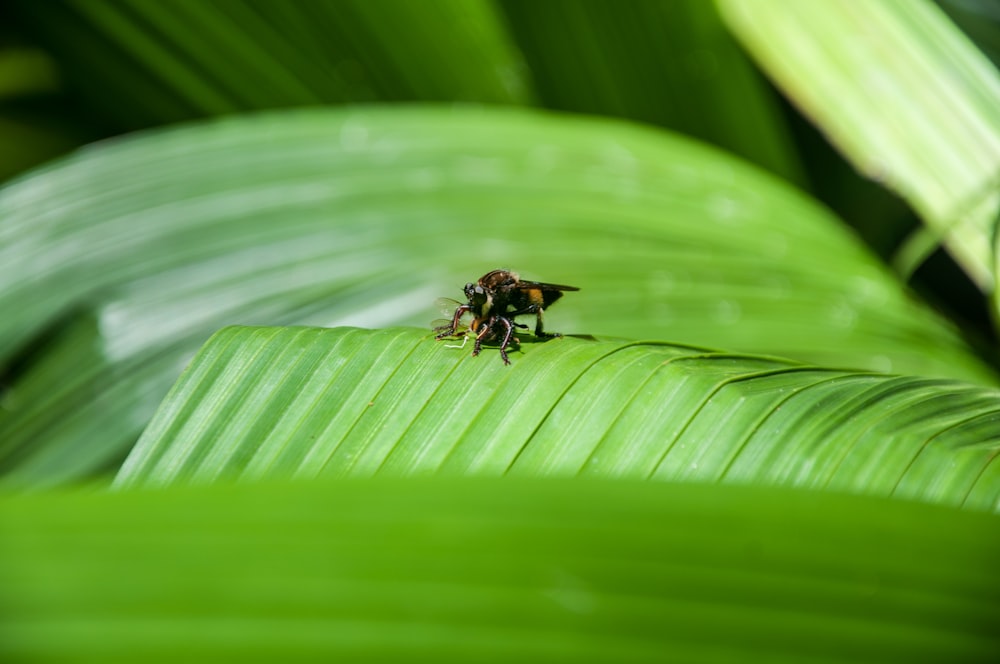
x: 539, y: 327
x: 484, y: 329
x: 452, y: 330
x: 506, y: 338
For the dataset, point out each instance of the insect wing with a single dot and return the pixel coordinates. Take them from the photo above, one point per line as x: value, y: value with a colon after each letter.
x: 446, y: 306
x: 542, y: 294
x: 531, y: 285
x: 442, y: 324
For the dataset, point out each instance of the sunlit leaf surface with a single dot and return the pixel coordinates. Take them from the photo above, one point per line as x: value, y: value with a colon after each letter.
x: 306, y: 402
x: 904, y: 94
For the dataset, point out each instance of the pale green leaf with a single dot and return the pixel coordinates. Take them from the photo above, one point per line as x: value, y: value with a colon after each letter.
x: 903, y: 94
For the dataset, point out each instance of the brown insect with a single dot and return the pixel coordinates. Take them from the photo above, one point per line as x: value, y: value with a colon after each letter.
x: 494, y: 301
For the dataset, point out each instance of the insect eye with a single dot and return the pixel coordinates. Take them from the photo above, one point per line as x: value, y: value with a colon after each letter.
x: 477, y: 294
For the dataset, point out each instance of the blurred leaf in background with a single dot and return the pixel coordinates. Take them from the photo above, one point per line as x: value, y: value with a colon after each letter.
x: 671, y: 64
x: 132, y: 64
x: 140, y: 64
x: 912, y: 103
x: 666, y: 63
x: 122, y: 260
x: 33, y: 126
x: 980, y: 21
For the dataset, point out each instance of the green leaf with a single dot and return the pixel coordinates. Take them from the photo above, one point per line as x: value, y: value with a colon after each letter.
x: 29, y: 132
x: 306, y: 402
x: 904, y: 95
x: 145, y: 63
x: 488, y: 570
x: 125, y: 257
x: 672, y: 64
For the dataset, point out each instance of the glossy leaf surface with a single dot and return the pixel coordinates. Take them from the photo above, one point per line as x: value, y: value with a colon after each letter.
x: 305, y: 402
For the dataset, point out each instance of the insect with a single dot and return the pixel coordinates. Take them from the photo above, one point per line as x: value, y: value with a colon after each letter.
x: 494, y: 301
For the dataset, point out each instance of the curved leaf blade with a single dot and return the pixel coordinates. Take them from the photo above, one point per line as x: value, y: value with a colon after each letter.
x: 416, y: 201
x: 671, y: 64
x: 364, y: 217
x: 141, y: 64
x: 904, y: 94
x: 307, y: 402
